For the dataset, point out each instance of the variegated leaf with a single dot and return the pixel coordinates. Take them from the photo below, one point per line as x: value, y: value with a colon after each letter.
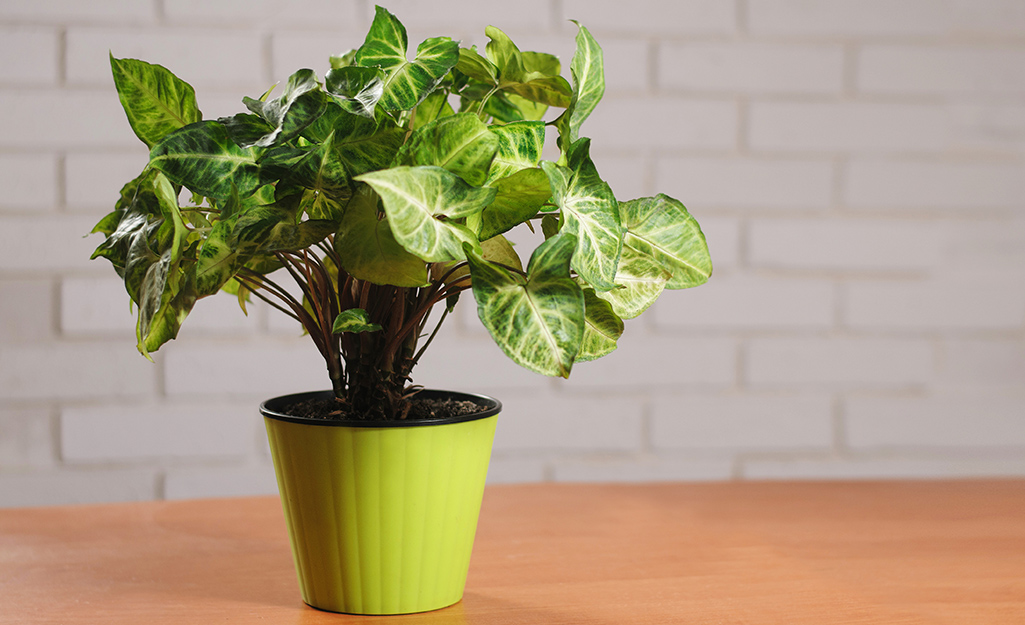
x: 519, y: 147
x: 588, y: 72
x: 519, y: 197
x: 203, y: 159
x: 354, y: 320
x: 639, y: 282
x: 589, y: 211
x: 661, y: 228
x: 533, y: 76
x: 356, y: 89
x: 460, y: 143
x: 602, y: 328
x: 537, y: 320
x: 301, y: 104
x: 423, y: 204
x: 156, y: 101
x: 368, y: 250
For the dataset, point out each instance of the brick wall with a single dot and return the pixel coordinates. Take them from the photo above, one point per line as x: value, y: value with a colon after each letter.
x: 858, y: 166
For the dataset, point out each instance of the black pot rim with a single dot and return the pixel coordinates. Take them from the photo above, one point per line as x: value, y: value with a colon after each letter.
x: 277, y: 408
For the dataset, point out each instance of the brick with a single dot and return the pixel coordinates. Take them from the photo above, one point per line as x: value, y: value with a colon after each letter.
x: 36, y: 52
x: 872, y: 468
x: 47, y: 243
x: 627, y: 175
x: 75, y: 370
x: 506, y: 470
x: 754, y: 68
x: 967, y: 364
x: 845, y: 244
x: 963, y: 421
x: 29, y: 182
x: 739, y: 182
x: 202, y: 57
x: 644, y: 469
x: 96, y: 306
x: 651, y: 361
x: 65, y: 487
x: 472, y: 364
x: 741, y: 422
x: 276, y: 13
x: 27, y: 311
x: 654, y: 16
x: 220, y: 315
x: 847, y: 17
x: 723, y: 237
x: 841, y: 362
x: 935, y: 305
x: 63, y: 11
x: 217, y: 481
x: 94, y: 179
x: 931, y: 185
x: 291, y: 51
x: 61, y: 113
x: 663, y: 122
x: 133, y: 432
x: 948, y: 70
x: 551, y: 422
x: 26, y: 438
x: 473, y: 16
x: 741, y: 301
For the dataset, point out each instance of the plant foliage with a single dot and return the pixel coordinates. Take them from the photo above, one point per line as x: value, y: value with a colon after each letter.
x: 385, y: 190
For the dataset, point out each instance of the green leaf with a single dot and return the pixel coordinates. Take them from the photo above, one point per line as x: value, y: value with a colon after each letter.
x: 356, y: 89
x: 519, y: 197
x: 589, y: 211
x: 519, y: 147
x: 407, y: 82
x: 537, y: 320
x: 368, y: 250
x: 218, y: 260
x: 640, y: 280
x: 202, y: 158
x: 156, y: 101
x: 296, y: 109
x: 662, y: 229
x: 477, y: 67
x: 354, y: 320
x: 529, y: 75
x: 460, y: 143
x: 264, y: 229
x: 362, y: 144
x: 422, y: 204
x: 434, y: 106
x: 588, y: 71
x: 602, y: 328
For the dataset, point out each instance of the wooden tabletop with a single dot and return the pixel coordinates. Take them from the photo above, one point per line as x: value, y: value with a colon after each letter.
x: 883, y: 552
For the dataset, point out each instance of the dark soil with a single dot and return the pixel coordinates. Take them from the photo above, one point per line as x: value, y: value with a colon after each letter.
x: 419, y: 409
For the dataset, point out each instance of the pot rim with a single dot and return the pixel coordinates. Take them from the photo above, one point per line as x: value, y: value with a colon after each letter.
x: 276, y: 408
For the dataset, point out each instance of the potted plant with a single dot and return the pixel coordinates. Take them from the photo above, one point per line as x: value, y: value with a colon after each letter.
x: 383, y: 192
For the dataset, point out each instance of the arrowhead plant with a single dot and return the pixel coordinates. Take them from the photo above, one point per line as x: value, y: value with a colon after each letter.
x: 384, y: 190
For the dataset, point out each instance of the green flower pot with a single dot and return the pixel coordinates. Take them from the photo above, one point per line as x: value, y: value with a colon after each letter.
x: 381, y: 515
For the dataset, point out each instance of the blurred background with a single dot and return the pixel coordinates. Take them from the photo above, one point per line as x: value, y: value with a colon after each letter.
x: 858, y: 167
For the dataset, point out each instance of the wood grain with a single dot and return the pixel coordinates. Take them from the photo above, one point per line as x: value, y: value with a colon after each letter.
x: 882, y: 552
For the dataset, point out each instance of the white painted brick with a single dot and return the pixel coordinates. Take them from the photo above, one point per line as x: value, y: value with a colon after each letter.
x: 646, y: 469
x: 986, y: 247
x: 214, y: 481
x: 663, y: 122
x: 935, y: 305
x: 120, y: 11
x: 26, y: 308
x: 220, y: 315
x: 135, y: 432
x: 723, y: 237
x: 743, y: 301
x: 53, y: 488
x: 625, y: 61
x: 26, y: 438
x: 274, y: 13
x: 948, y: 70
x: 844, y: 244
x: 31, y: 55
x: 199, y: 56
x: 96, y: 306
x: 262, y: 369
x: 471, y: 364
x: 739, y: 182
x: 966, y: 364
x: 551, y: 422
x: 28, y: 182
x: 742, y: 422
x: 75, y: 370
x: 963, y: 421
x: 880, y: 468
x: 627, y: 175
x: 751, y: 67
x: 473, y: 15
x: 654, y: 16
x: 94, y: 180
x: 992, y: 17
x: 46, y: 243
x: 858, y: 127
x: 62, y: 114
x: 513, y: 470
x: 291, y: 51
x: 667, y: 361
x: 813, y: 363
x: 847, y: 17
x: 925, y: 185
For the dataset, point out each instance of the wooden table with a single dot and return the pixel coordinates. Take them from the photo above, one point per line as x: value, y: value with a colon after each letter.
x: 883, y: 552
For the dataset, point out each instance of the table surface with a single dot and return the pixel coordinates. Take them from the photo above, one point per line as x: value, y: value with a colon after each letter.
x: 858, y: 552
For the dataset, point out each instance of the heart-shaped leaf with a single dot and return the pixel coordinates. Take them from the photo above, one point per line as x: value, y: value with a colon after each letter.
x: 297, y: 108
x: 602, y: 328
x: 202, y: 158
x: 156, y: 101
x: 356, y: 89
x: 354, y: 320
x: 639, y: 282
x: 519, y: 147
x: 661, y: 228
x: 519, y: 197
x: 588, y: 72
x: 460, y: 143
x: 368, y: 250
